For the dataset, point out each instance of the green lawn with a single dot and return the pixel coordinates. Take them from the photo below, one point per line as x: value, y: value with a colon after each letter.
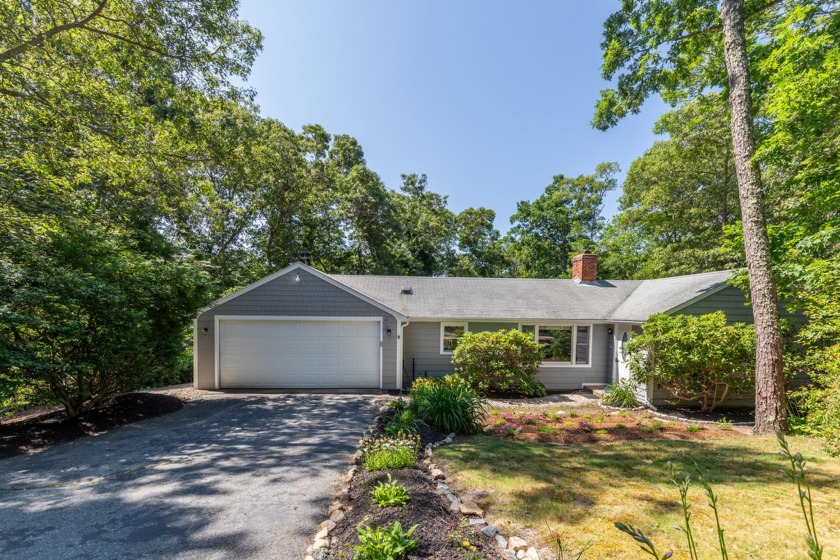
x: 579, y: 491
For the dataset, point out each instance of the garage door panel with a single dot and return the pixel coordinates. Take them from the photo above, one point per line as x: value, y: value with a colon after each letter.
x: 299, y: 354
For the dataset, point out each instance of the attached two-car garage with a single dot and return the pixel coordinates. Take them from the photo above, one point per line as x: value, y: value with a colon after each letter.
x: 293, y: 353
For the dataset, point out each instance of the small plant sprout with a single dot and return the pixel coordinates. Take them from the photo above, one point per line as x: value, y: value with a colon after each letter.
x: 644, y: 542
x: 713, y: 503
x: 683, y: 485
x: 796, y: 473
x: 724, y: 423
x: 390, y: 493
x: 694, y: 428
x: 563, y: 550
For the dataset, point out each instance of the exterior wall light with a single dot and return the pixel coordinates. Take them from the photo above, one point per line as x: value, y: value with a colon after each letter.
x: 297, y: 278
x: 388, y: 332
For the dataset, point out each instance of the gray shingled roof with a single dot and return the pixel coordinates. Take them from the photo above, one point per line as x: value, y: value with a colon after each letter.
x: 526, y: 298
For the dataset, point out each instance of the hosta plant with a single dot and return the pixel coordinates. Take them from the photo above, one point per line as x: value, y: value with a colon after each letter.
x: 384, y: 543
x: 390, y: 493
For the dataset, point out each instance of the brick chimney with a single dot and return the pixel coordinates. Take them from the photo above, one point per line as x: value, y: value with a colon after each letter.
x: 585, y: 267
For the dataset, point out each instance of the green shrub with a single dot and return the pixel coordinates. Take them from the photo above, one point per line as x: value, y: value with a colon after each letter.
x: 384, y: 543
x: 499, y: 362
x: 548, y: 430
x: 391, y: 453
x: 391, y: 493
x: 448, y: 403
x: 403, y: 423
x: 620, y: 395
x: 398, y: 404
x: 654, y: 426
x: 694, y: 428
x: 699, y: 359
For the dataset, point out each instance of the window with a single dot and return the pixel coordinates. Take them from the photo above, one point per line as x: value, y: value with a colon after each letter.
x: 449, y: 335
x: 555, y: 344
x: 561, y: 344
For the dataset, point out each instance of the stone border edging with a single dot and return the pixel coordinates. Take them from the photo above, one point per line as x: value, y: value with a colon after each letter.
x: 320, y: 548
x: 512, y: 547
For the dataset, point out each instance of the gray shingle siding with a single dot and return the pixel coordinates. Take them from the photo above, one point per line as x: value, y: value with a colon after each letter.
x: 730, y: 300
x: 282, y: 296
x: 422, y: 345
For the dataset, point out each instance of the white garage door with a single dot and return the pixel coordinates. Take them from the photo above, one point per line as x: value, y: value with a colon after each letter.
x: 299, y: 354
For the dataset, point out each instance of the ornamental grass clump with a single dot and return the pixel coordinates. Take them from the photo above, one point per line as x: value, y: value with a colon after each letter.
x: 390, y: 452
x: 619, y: 395
x: 448, y: 403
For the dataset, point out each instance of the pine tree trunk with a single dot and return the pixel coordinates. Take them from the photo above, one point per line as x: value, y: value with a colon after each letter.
x: 770, y: 411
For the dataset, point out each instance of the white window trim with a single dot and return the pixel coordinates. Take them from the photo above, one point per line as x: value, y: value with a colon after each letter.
x: 574, y: 327
x: 443, y: 325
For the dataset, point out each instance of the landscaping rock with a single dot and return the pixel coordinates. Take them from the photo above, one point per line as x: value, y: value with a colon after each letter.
x: 334, y: 507
x: 451, y: 496
x: 490, y: 531
x: 517, y: 544
x: 433, y: 467
x: 509, y: 554
x: 477, y: 521
x: 321, y: 543
x: 337, y: 516
x: 451, y: 436
x: 309, y: 557
x: 328, y: 523
x: 471, y: 508
x: 443, y: 488
x: 532, y: 554
x: 437, y: 474
x: 357, y: 457
x: 501, y: 541
x: 320, y: 553
x: 455, y: 506
x: 322, y: 534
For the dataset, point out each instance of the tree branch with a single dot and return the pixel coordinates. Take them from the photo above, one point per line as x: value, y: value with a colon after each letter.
x: 39, y: 40
x: 718, y: 27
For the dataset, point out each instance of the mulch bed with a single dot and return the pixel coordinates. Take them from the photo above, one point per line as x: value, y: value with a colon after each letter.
x: 33, y: 433
x: 585, y: 429
x: 439, y: 533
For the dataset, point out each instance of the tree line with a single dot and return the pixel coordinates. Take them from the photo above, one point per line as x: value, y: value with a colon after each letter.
x: 139, y: 182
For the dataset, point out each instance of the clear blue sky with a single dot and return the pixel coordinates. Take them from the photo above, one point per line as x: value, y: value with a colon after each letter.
x: 489, y: 98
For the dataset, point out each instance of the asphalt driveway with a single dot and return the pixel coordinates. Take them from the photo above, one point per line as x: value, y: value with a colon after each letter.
x: 230, y: 476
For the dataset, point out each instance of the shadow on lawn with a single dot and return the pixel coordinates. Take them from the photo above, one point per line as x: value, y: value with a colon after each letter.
x: 567, y: 480
x: 221, y: 478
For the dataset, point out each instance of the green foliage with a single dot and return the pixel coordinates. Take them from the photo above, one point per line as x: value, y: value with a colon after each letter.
x: 694, y: 428
x: 391, y: 453
x: 564, y: 220
x: 678, y: 199
x: 403, y: 423
x: 620, y: 395
x: 699, y: 359
x: 448, y: 403
x: 398, y: 404
x: 390, y: 493
x: 499, y: 362
x: 384, y: 543
x: 118, y: 324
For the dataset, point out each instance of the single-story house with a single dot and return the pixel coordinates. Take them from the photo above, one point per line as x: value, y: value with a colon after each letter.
x: 300, y: 328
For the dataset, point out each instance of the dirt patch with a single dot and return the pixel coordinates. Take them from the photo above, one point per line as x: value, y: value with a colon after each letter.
x: 601, y: 426
x: 24, y: 435
x: 440, y: 534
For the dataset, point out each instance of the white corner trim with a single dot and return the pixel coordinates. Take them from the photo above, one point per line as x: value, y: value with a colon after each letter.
x: 195, y: 353
x: 443, y: 325
x: 315, y: 272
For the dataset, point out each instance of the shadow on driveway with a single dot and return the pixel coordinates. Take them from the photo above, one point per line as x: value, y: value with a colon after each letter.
x: 233, y: 476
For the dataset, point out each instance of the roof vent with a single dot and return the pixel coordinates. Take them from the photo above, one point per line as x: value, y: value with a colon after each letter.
x: 406, y: 290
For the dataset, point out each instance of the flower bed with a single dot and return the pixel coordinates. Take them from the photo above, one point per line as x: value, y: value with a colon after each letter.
x: 582, y: 426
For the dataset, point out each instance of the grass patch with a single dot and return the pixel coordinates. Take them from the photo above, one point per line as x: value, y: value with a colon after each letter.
x: 582, y: 489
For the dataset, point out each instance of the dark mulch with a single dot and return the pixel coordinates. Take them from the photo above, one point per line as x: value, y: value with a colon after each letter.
x: 739, y: 415
x: 34, y: 433
x: 440, y: 534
